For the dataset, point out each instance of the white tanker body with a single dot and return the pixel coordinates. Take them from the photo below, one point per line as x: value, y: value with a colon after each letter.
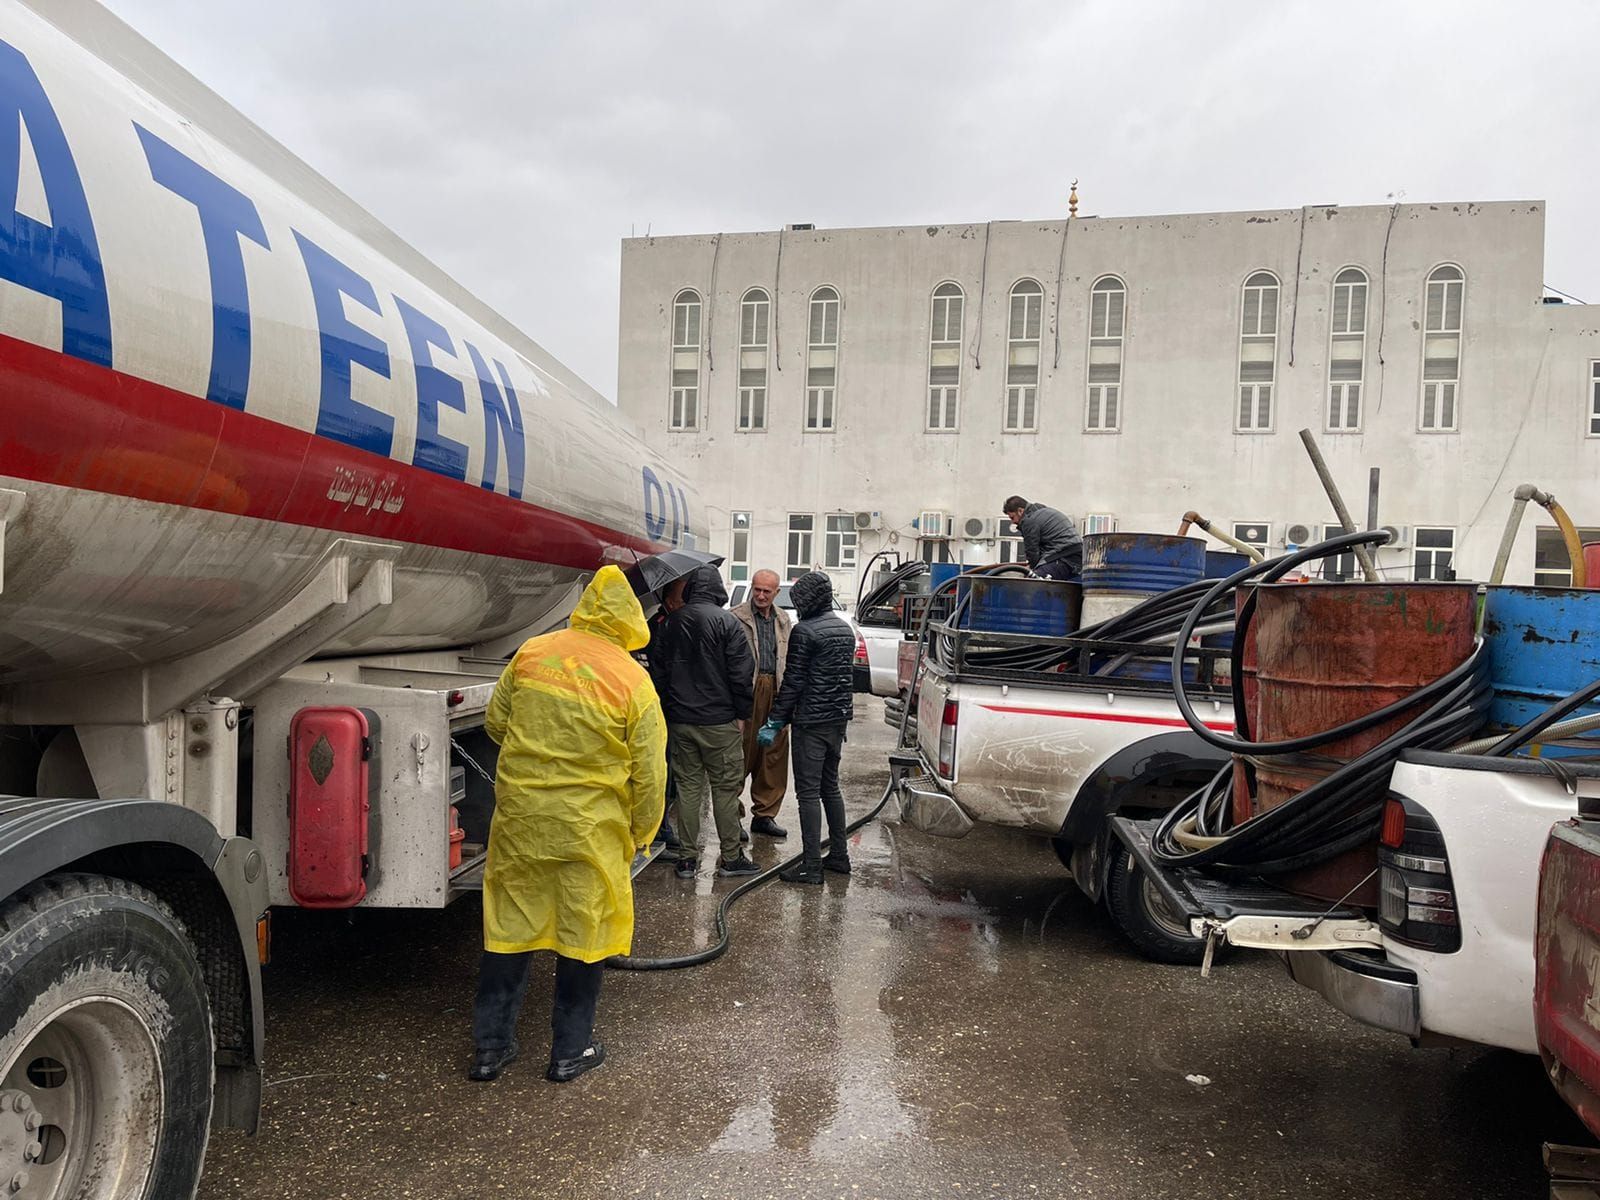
x: 242, y: 426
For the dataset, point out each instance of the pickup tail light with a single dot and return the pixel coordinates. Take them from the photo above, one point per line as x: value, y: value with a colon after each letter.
x: 947, y: 739
x: 1416, y: 895
x: 861, y: 650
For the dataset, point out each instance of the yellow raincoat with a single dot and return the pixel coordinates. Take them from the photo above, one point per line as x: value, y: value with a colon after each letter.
x: 581, y: 782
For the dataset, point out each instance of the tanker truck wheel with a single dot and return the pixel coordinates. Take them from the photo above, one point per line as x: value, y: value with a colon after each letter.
x: 106, y: 1049
x: 1145, y: 917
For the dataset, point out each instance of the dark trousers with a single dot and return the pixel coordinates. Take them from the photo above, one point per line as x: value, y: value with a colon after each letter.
x: 502, y: 983
x: 1069, y: 566
x: 816, y: 750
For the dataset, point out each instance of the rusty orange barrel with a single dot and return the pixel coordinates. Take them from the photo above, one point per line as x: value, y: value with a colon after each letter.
x: 1250, y: 686
x: 1327, y: 653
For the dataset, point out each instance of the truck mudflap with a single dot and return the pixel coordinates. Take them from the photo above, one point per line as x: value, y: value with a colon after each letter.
x: 1246, y: 912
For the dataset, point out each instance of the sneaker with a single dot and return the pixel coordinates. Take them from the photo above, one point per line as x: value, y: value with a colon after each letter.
x: 767, y: 827
x: 738, y: 866
x: 565, y: 1070
x: 837, y: 862
x: 802, y: 872
x: 688, y: 867
x: 487, y: 1064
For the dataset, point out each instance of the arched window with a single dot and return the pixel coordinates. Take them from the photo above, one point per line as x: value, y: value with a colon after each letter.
x: 1022, y: 356
x: 754, y: 311
x: 944, y: 356
x: 1108, y: 316
x: 685, y: 409
x: 822, y: 359
x: 1347, y: 349
x: 1258, y: 351
x: 1441, y: 346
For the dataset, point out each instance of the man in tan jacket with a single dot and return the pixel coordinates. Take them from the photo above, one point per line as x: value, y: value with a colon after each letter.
x: 767, y: 628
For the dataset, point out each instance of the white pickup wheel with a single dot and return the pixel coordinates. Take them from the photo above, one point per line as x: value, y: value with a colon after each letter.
x: 105, y: 1045
x: 1145, y: 917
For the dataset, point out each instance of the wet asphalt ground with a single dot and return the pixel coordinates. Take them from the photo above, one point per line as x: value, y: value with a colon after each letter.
x: 954, y: 1019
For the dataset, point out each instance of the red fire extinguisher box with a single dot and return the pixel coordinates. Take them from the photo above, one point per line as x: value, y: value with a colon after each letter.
x: 331, y: 780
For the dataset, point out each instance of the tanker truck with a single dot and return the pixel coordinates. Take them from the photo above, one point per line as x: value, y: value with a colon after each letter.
x: 278, y: 498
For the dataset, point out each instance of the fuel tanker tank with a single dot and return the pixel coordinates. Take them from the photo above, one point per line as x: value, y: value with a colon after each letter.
x: 217, y: 370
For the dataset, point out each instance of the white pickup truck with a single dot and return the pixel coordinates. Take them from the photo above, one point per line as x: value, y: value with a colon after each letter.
x: 1057, y: 754
x: 1449, y: 953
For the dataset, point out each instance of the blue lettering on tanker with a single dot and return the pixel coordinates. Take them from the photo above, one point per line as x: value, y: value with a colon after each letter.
x: 502, y: 419
x: 61, y: 259
x: 226, y: 215
x: 655, y: 503
x: 345, y: 345
x: 434, y: 451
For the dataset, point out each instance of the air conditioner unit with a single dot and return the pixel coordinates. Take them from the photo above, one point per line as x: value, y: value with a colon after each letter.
x: 1300, y: 533
x: 979, y: 529
x: 1100, y: 523
x: 933, y: 523
x: 1399, y: 537
x: 1255, y: 533
x: 866, y: 521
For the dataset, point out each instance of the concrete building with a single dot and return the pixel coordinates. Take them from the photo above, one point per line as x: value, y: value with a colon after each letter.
x: 1125, y: 370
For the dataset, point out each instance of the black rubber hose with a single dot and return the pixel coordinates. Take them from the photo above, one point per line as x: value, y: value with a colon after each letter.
x: 676, y: 962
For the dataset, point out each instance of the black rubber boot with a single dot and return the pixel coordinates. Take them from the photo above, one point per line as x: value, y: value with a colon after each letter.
x: 807, y: 870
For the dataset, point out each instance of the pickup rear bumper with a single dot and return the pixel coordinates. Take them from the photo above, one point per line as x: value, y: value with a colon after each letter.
x: 923, y: 806
x: 1363, y: 986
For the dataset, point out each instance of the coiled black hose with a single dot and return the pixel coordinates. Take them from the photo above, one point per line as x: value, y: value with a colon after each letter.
x: 1342, y: 809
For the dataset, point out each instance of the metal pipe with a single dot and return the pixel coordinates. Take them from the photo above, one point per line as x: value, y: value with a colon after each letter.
x: 1193, y: 518
x: 1363, y: 556
x: 1569, y: 534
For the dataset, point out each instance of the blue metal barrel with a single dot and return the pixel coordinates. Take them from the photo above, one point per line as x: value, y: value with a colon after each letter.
x: 1141, y: 562
x: 1543, y: 643
x: 1009, y: 604
x: 1222, y: 563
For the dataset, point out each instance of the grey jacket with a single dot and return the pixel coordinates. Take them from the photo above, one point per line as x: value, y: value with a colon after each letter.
x: 748, y: 619
x: 1049, y: 534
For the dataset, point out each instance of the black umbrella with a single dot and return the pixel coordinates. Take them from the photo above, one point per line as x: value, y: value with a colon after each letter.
x: 655, y: 571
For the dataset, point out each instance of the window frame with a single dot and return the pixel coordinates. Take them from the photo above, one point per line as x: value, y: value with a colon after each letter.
x: 1417, y: 550
x: 674, y: 350
x: 1240, y: 383
x: 835, y: 542
x: 736, y: 562
x: 746, y: 408
x: 1346, y: 565
x: 1460, y: 335
x: 1563, y: 578
x: 1335, y: 338
x: 1594, y: 398
x: 813, y: 402
x: 1008, y: 543
x: 941, y: 548
x: 1120, y: 340
x: 792, y: 567
x: 1012, y: 342
x: 949, y: 401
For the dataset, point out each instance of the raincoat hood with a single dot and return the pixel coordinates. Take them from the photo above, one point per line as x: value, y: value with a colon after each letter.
x: 608, y: 609
x: 812, y: 593
x: 705, y: 587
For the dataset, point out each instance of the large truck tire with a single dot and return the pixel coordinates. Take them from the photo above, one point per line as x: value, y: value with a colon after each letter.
x: 106, y: 1060
x: 1144, y: 916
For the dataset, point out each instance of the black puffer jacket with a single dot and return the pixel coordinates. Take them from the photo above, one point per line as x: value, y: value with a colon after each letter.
x: 702, y: 667
x: 1048, y: 534
x: 817, y: 672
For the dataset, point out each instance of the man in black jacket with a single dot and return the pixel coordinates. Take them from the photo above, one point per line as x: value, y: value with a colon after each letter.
x: 704, y: 673
x: 1050, y: 541
x: 817, y: 701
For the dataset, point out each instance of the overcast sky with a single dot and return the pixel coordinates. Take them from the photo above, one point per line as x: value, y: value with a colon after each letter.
x: 516, y: 143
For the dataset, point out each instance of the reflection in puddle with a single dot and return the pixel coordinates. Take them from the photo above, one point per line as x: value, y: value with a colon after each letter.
x: 749, y: 1131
